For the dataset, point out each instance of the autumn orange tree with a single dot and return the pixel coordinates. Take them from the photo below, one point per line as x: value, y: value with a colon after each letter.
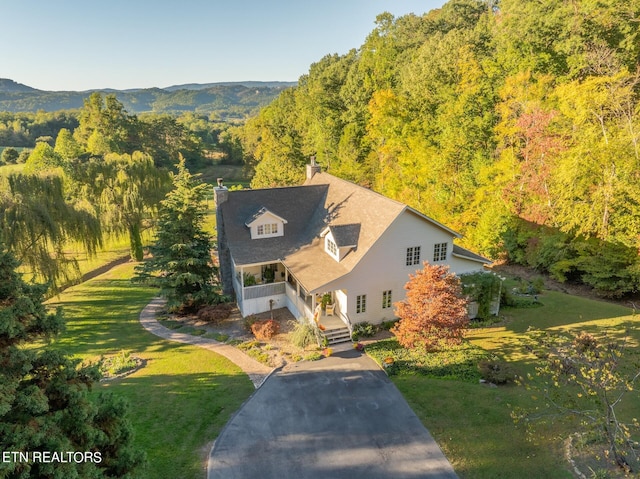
x: 434, y: 312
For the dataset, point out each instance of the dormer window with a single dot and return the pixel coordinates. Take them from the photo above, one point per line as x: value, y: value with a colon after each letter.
x: 340, y: 239
x: 332, y: 247
x: 265, y: 224
x: 268, y: 229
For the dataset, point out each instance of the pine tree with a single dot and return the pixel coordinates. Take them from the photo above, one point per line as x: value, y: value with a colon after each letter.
x: 181, y: 253
x: 44, y: 396
x: 434, y: 313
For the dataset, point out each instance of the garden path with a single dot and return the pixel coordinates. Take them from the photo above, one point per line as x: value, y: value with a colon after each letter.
x: 256, y: 371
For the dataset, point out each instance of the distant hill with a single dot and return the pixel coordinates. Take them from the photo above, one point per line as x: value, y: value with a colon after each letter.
x: 249, y: 84
x: 10, y: 86
x: 229, y: 100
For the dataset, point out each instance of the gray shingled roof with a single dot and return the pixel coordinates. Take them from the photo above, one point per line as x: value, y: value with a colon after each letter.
x: 355, y: 215
x: 295, y: 204
x: 345, y: 235
x: 465, y: 253
x: 259, y: 213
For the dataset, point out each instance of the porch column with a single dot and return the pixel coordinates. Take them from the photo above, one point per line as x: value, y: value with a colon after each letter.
x: 242, y: 283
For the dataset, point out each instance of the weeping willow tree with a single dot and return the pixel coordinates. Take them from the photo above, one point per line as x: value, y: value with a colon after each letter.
x: 126, y: 190
x: 37, y: 221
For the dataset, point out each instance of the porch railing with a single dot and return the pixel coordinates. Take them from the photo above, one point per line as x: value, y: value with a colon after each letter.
x: 262, y: 290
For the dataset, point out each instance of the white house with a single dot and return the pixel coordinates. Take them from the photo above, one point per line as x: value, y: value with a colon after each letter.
x: 288, y: 247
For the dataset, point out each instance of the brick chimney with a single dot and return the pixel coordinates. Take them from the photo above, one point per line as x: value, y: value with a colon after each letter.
x: 313, y: 168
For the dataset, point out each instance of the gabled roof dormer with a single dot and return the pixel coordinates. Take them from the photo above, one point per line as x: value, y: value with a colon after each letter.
x: 340, y: 239
x: 265, y: 224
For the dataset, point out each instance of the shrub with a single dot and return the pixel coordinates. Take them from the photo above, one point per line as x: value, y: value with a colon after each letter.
x: 496, y: 372
x: 248, y: 321
x: 264, y: 330
x: 387, y: 325
x: 117, y: 364
x: 314, y: 356
x: 363, y: 330
x: 302, y: 335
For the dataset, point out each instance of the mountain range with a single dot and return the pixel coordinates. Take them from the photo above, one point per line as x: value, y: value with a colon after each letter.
x: 227, y: 100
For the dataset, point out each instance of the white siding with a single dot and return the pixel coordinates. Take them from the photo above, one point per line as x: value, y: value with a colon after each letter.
x: 266, y: 219
x: 384, y: 267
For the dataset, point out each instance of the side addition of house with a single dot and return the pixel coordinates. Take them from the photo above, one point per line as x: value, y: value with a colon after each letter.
x: 329, y: 238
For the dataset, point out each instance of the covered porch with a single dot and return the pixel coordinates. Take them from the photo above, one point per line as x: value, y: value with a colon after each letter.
x: 261, y: 287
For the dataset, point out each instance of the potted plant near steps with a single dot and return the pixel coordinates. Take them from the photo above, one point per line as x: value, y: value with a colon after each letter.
x: 326, y: 299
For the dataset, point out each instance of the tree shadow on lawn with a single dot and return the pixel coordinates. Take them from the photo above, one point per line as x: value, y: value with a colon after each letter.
x: 176, y: 416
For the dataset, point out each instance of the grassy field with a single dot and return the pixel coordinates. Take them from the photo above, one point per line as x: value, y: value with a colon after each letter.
x: 472, y: 422
x: 183, y: 396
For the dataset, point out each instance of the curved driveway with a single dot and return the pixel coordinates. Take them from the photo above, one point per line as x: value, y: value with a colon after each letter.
x: 339, y: 417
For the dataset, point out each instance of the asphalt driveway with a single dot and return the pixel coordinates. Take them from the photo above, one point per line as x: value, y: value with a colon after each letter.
x: 340, y: 417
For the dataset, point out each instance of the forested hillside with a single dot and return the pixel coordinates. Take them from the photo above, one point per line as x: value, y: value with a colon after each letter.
x: 515, y: 122
x: 226, y: 101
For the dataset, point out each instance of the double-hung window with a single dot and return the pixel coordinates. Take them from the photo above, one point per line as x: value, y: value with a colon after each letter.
x: 386, y: 299
x: 361, y: 303
x: 439, y: 252
x: 413, y: 255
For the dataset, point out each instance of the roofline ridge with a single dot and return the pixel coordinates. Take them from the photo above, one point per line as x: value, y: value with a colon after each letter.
x: 370, y: 190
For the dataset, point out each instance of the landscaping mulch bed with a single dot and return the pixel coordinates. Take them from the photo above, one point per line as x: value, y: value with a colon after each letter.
x: 279, y: 350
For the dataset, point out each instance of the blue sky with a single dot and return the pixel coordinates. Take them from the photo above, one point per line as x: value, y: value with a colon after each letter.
x: 86, y: 44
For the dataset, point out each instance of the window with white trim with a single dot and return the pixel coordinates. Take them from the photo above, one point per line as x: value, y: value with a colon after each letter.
x: 268, y: 229
x: 439, y: 252
x: 361, y: 303
x: 386, y: 299
x: 332, y: 247
x: 413, y: 255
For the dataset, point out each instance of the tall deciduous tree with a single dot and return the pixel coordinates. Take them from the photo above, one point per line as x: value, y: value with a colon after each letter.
x: 37, y: 221
x: 434, y: 313
x: 44, y: 396
x: 126, y: 190
x: 181, y: 263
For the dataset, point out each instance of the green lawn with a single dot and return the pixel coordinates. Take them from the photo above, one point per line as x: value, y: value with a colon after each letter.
x: 472, y: 422
x: 183, y: 396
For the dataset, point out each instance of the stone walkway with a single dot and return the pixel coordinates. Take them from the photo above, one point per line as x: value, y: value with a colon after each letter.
x: 256, y: 371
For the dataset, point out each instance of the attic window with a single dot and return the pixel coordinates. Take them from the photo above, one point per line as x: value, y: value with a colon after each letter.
x: 265, y: 224
x: 331, y: 247
x: 268, y: 229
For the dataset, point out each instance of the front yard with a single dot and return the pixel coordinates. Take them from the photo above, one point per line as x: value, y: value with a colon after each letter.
x: 184, y: 395
x: 181, y: 398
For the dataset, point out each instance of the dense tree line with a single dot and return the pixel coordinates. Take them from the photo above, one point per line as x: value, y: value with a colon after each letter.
x: 197, y: 137
x: 515, y: 122
x: 22, y: 129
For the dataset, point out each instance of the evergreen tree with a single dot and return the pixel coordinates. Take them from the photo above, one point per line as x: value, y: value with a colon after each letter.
x: 182, y: 250
x: 44, y: 396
